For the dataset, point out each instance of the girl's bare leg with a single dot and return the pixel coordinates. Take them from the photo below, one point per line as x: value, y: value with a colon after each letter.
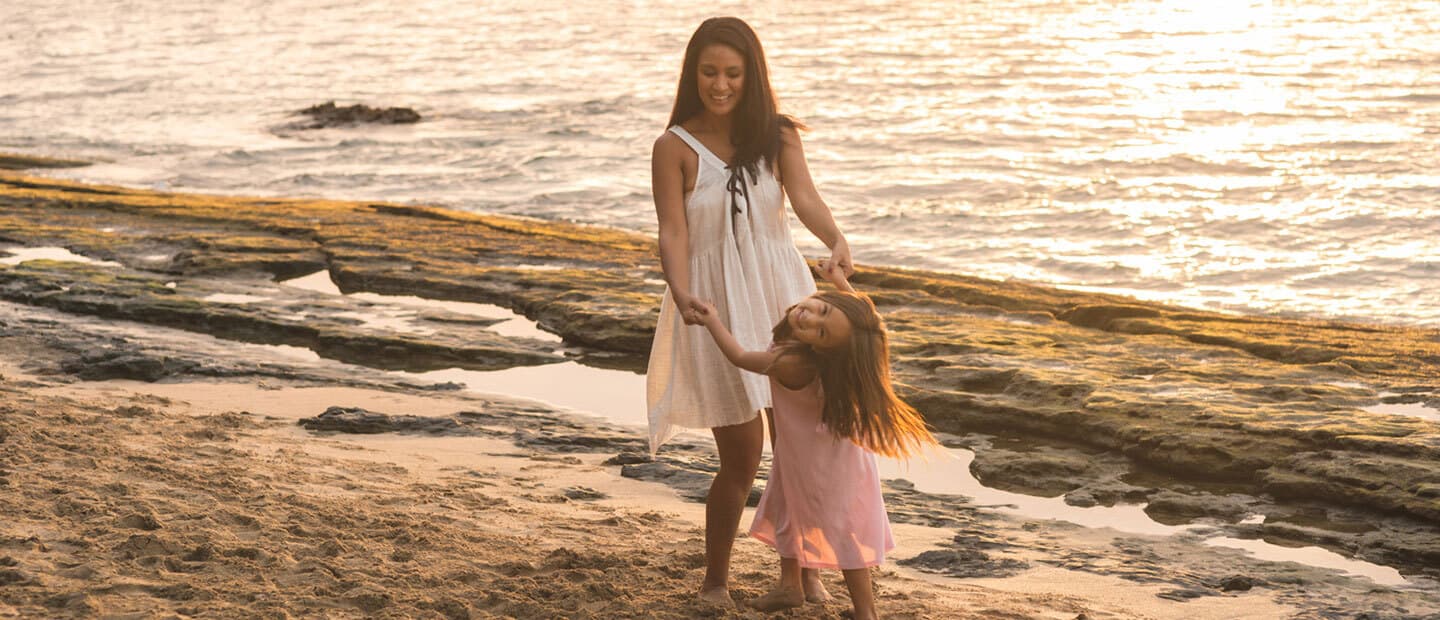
x: 862, y: 596
x: 739, y: 447
x: 789, y: 593
x: 814, y: 589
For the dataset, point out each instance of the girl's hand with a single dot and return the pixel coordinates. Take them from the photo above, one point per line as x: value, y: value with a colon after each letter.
x: 705, y: 312
x: 833, y: 274
x: 840, y: 256
x: 829, y: 271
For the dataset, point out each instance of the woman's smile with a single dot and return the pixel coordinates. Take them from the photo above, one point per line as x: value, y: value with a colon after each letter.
x: 720, y: 76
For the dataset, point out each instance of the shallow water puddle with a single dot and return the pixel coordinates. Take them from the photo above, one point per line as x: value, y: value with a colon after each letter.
x: 1313, y: 556
x: 400, y: 312
x: 233, y: 298
x: 950, y: 475
x: 1414, y: 410
x: 19, y: 255
x: 616, y: 395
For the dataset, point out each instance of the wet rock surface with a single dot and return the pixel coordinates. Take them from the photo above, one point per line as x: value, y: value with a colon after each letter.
x: 358, y: 420
x: 262, y: 314
x: 1273, y: 409
x: 330, y: 115
x: 27, y: 162
x: 964, y: 563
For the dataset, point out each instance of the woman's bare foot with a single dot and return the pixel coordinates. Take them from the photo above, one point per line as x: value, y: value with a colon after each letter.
x: 778, y: 599
x: 716, y: 595
x: 815, y: 591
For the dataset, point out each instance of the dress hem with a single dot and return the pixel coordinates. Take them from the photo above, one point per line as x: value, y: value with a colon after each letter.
x: 819, y: 565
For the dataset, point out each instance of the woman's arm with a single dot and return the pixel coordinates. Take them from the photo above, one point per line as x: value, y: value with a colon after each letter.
x: 809, y: 207
x: 753, y: 361
x: 667, y: 184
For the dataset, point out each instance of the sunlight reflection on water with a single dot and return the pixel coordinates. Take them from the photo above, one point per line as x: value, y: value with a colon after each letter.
x: 1271, y: 142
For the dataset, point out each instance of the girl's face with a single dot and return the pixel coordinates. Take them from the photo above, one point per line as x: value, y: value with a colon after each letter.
x: 720, y: 76
x: 818, y: 323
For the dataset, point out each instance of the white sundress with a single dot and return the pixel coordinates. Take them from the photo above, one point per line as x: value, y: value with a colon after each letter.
x: 743, y: 260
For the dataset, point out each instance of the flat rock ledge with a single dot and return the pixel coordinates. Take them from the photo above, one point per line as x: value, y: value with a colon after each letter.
x: 1272, y: 407
x: 29, y: 162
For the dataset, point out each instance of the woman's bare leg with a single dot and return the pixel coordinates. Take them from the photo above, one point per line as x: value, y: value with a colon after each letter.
x: 739, y: 446
x: 862, y: 595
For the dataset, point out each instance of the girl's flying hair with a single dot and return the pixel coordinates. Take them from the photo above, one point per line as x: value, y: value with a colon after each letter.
x: 860, y: 404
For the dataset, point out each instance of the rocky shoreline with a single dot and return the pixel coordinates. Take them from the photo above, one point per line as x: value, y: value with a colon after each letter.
x: 1097, y: 398
x: 193, y: 498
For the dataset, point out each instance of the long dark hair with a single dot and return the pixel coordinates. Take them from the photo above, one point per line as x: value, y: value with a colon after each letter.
x: 755, y: 132
x: 860, y: 404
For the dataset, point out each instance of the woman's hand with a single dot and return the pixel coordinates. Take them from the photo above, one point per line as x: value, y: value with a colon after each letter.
x: 689, y: 307
x: 831, y: 272
x: 840, y: 257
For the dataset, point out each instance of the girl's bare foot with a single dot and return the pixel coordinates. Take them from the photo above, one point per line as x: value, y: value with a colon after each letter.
x: 778, y: 599
x: 815, y: 591
x: 716, y: 595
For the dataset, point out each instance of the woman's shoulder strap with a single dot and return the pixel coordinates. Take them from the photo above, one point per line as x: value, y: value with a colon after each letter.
x: 696, y: 145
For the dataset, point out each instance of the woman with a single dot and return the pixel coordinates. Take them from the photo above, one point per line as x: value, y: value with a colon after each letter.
x: 720, y: 175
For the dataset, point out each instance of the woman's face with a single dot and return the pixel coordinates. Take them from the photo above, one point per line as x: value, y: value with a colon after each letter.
x: 818, y: 323
x: 720, y: 75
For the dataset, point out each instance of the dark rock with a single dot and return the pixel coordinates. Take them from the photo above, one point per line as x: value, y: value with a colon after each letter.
x: 447, y: 386
x: 360, y: 421
x: 1172, y: 508
x: 584, y: 493
x: 1099, y: 317
x: 330, y: 115
x: 1183, y: 594
x: 628, y: 458
x: 1236, y: 583
x: 26, y: 162
x: 1047, y: 471
x: 105, y: 365
x: 964, y: 563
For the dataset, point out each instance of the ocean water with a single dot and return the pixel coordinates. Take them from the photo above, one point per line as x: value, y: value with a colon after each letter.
x: 1268, y: 157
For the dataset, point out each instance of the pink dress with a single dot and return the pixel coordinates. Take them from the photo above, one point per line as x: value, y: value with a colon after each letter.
x: 822, y: 505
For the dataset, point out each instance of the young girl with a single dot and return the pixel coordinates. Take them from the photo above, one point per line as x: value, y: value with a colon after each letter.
x: 834, y: 409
